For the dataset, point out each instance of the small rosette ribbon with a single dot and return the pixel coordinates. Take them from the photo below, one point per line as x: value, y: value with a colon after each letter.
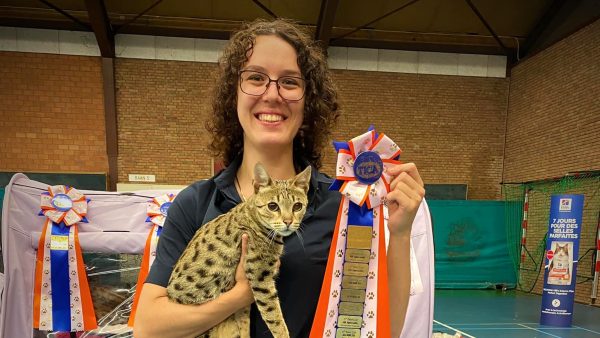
x: 157, y: 210
x: 62, y: 299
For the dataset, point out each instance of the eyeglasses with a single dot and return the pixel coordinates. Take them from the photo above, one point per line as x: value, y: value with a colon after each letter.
x: 290, y: 88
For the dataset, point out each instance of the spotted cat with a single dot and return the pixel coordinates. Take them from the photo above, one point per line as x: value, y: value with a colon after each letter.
x: 207, y: 266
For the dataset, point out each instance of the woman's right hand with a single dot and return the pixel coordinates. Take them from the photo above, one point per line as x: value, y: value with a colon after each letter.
x: 157, y: 316
x: 242, y: 287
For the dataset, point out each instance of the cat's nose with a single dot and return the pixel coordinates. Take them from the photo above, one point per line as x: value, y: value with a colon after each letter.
x: 287, y: 222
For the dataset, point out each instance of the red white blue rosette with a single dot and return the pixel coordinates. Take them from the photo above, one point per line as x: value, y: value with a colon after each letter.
x: 157, y: 213
x: 360, y: 170
x: 158, y: 207
x: 62, y: 299
x: 364, y: 184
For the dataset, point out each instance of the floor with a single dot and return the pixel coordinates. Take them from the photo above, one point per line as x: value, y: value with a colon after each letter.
x: 491, y: 313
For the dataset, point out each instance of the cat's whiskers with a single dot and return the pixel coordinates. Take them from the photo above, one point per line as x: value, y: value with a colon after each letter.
x: 271, y: 236
x: 299, y: 235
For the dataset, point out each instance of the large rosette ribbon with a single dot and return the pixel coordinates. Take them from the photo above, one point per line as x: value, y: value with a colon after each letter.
x: 62, y: 299
x: 354, y: 300
x: 157, y: 213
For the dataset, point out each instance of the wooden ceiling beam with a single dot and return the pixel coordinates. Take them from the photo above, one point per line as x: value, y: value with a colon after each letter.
x: 221, y: 29
x: 83, y: 25
x: 265, y: 8
x: 41, y: 18
x: 366, y: 25
x: 552, y: 10
x: 489, y: 28
x: 325, y: 22
x: 101, y: 26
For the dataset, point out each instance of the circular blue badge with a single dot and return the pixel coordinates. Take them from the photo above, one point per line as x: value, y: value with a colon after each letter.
x: 62, y: 202
x: 164, y: 208
x: 368, y: 167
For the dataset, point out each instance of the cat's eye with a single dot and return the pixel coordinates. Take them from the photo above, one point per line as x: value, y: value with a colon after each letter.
x: 273, y: 206
x: 297, y: 206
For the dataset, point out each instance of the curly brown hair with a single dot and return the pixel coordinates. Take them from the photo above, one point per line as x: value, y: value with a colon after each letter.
x: 321, y: 109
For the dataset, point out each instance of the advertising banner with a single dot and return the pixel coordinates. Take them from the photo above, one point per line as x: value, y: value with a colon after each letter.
x: 562, y: 254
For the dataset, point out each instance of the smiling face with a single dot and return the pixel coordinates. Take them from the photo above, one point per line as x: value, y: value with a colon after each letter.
x: 269, y: 121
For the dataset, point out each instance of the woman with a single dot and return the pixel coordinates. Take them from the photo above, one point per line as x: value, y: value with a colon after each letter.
x: 275, y: 104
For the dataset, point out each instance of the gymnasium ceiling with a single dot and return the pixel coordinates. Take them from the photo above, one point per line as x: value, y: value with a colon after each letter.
x: 502, y: 27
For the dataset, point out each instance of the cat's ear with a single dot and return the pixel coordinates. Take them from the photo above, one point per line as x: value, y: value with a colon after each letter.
x: 261, y: 177
x: 302, y: 180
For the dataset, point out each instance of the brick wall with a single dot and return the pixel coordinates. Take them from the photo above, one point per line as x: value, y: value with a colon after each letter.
x: 51, y: 113
x: 552, y: 129
x: 452, y: 127
x: 161, y: 110
x: 554, y: 110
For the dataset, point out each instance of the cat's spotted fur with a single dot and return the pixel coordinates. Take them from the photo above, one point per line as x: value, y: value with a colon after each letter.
x: 207, y: 266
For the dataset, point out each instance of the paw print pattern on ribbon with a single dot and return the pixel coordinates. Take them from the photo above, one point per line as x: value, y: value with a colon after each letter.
x: 371, y: 314
x: 342, y: 169
x: 371, y: 274
x: 340, y: 253
x: 337, y: 273
x: 328, y: 333
x: 335, y: 294
x: 370, y: 334
x: 371, y: 295
x: 373, y: 255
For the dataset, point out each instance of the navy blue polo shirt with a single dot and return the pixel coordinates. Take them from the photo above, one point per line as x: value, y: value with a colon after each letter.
x: 303, y: 262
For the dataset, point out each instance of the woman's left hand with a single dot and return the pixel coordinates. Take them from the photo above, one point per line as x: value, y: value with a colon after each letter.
x: 404, y: 198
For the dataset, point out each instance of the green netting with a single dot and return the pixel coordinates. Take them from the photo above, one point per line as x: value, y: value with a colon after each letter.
x: 529, y: 268
x: 470, y: 245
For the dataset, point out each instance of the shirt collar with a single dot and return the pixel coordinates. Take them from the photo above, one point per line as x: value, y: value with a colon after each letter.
x: 225, y: 179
